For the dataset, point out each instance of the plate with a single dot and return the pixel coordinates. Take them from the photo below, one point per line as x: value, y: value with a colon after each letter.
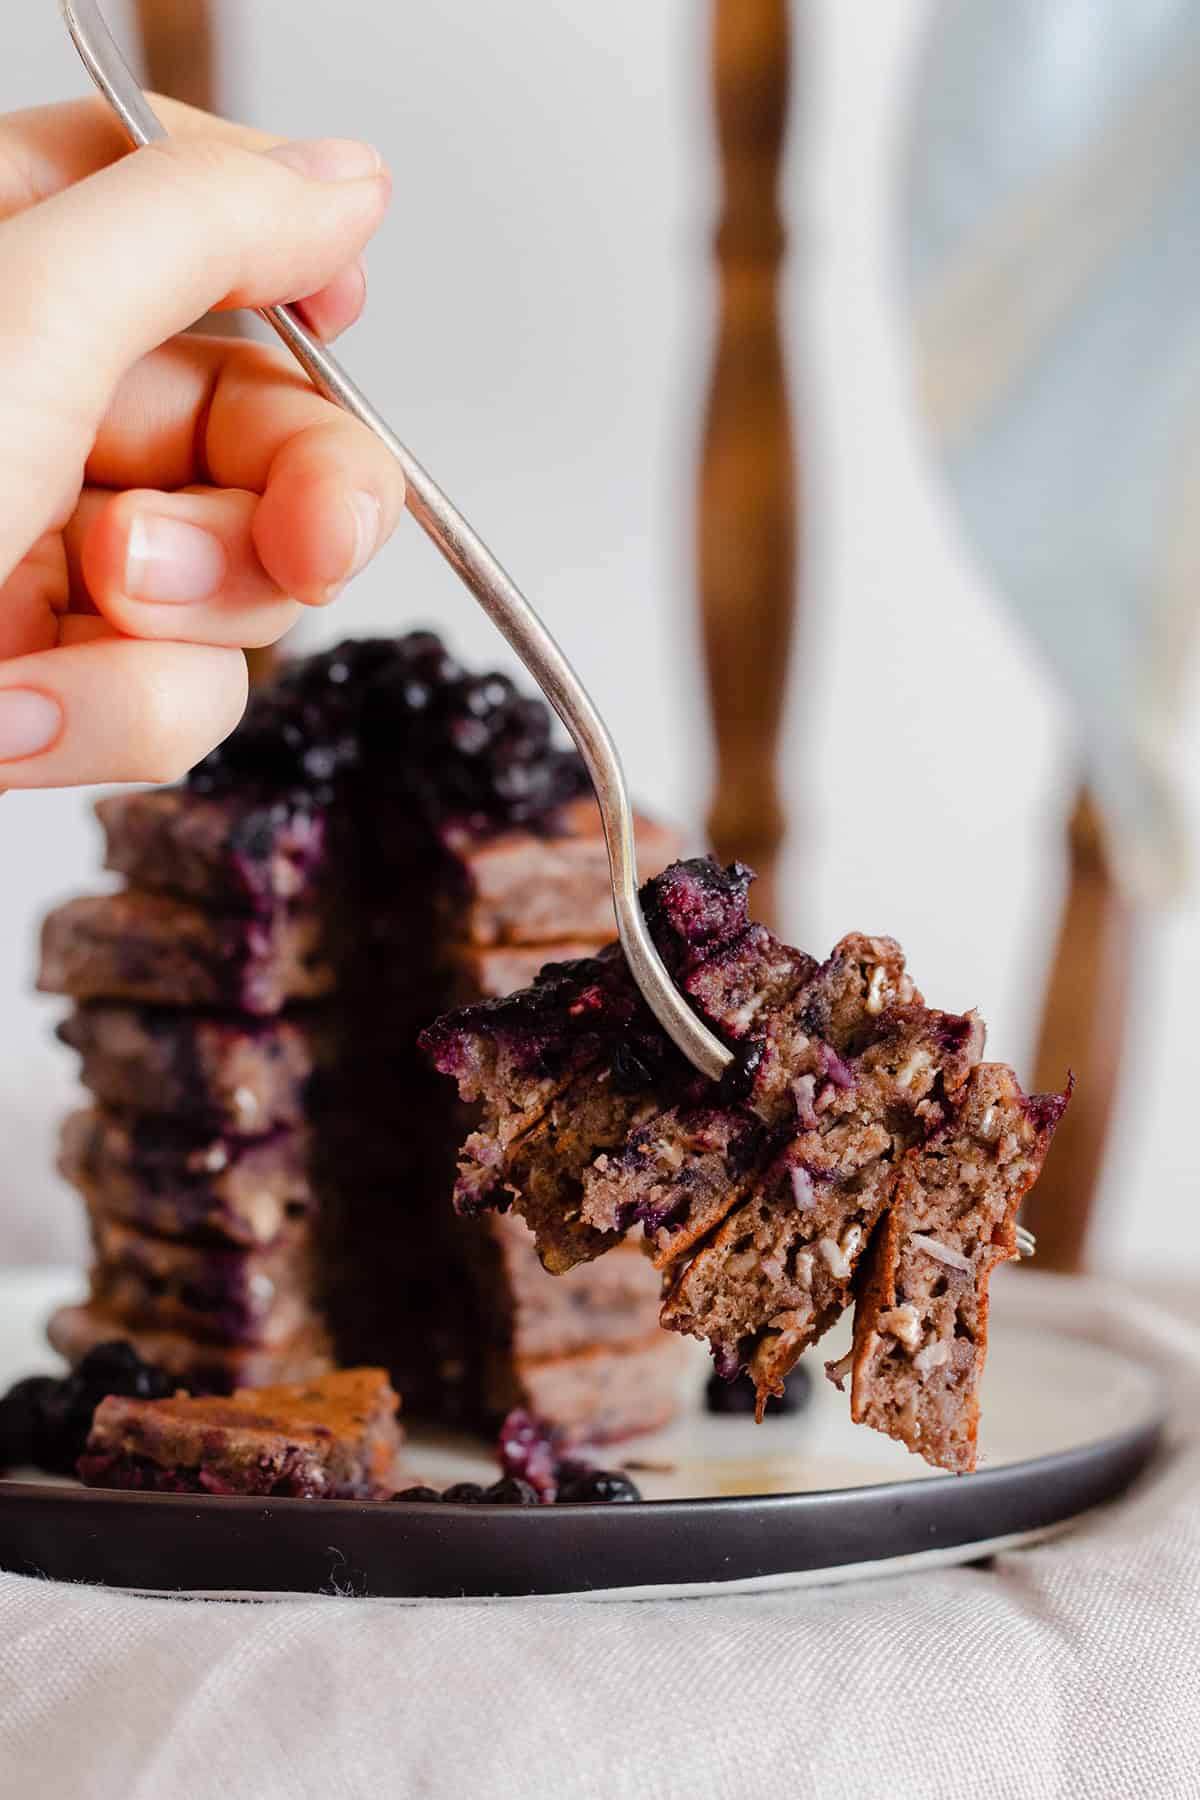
x: 1068, y: 1425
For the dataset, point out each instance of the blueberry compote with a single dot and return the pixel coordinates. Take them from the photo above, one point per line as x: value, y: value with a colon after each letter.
x: 578, y: 1013
x: 535, y: 1472
x: 45, y: 1421
x: 456, y: 749
x: 531, y: 1451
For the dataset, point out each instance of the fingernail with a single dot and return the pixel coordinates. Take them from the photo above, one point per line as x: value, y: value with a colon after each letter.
x: 29, y: 722
x: 330, y: 159
x: 368, y: 522
x: 171, y: 562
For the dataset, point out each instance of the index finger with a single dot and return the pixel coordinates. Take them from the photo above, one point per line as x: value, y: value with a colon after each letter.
x: 47, y: 148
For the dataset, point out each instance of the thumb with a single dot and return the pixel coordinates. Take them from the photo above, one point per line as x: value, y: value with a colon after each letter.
x: 105, y: 271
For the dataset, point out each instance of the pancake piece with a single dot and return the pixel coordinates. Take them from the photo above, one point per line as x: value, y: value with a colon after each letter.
x: 853, y: 1116
x: 334, y: 1438
x: 920, y: 1327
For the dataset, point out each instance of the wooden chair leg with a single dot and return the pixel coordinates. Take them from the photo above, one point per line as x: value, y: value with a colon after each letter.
x: 1083, y: 1028
x: 179, y: 58
x: 179, y: 49
x: 747, y: 498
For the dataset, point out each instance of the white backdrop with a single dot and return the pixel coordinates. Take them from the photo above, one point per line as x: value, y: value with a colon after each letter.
x: 537, y: 329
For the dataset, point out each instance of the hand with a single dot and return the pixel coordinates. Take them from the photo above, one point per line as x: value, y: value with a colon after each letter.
x: 166, y: 501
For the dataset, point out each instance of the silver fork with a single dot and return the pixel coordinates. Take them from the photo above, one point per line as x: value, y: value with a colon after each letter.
x: 467, y: 554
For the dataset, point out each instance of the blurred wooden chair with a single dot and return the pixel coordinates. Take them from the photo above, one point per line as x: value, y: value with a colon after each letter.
x: 748, y: 523
x: 747, y: 515
x: 179, y: 56
x: 179, y: 51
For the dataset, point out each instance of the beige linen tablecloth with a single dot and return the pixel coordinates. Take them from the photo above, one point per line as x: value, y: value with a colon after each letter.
x: 1070, y: 1669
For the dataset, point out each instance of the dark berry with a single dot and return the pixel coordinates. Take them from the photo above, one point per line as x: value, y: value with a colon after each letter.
x: 321, y: 762
x: 56, y: 1416
x: 469, y: 736
x: 465, y: 1493
x: 529, y: 721
x: 727, y: 1362
x: 21, y: 1412
x: 415, y: 645
x: 598, y: 1487
x: 424, y: 652
x: 64, y: 1425
x: 736, y: 1398
x: 116, y: 1368
x: 417, y: 1493
x: 485, y: 695
x: 697, y: 904
x: 738, y: 1079
x: 515, y: 782
x: 511, y: 1491
x: 572, y: 1468
x: 629, y: 1073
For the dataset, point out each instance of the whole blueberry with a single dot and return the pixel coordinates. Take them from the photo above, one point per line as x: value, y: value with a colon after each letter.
x: 469, y: 735
x: 21, y: 1411
x: 63, y: 1409
x: 484, y: 695
x: 417, y: 1493
x: 464, y: 1493
x: 116, y: 1368
x: 629, y: 1072
x: 598, y: 1487
x: 511, y: 1491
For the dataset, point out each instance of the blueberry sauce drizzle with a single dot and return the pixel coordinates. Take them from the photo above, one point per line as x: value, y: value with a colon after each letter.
x: 590, y: 1009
